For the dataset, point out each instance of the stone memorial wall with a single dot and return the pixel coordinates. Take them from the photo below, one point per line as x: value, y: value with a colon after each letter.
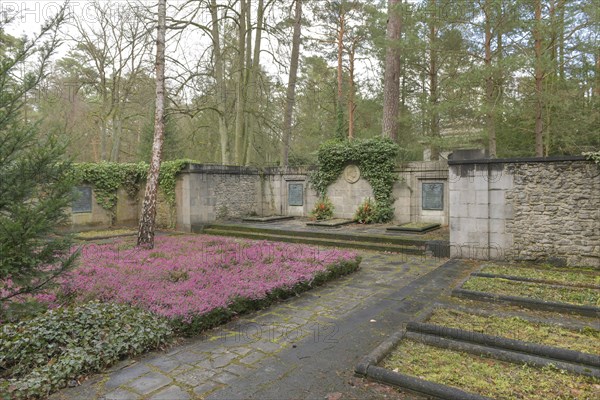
x: 526, y: 209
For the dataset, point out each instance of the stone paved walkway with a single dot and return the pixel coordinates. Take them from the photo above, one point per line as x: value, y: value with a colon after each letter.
x: 305, y: 347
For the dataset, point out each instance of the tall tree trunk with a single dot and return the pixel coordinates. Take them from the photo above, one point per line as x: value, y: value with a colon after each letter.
x: 253, y: 84
x: 539, y: 78
x: 597, y: 74
x: 220, y: 81
x: 103, y: 140
x: 489, y: 81
x: 290, y: 98
x: 391, y: 79
x: 434, y: 123
x: 117, y: 134
x: 561, y: 41
x: 148, y: 216
x: 241, y: 85
x: 340, y: 66
x: 351, y: 105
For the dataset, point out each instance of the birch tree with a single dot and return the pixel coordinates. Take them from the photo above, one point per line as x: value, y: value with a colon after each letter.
x: 148, y: 217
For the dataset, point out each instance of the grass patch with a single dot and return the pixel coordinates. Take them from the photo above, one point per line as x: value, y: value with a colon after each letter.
x: 585, y: 340
x: 551, y: 275
x: 578, y: 296
x: 489, y: 377
x: 553, y: 317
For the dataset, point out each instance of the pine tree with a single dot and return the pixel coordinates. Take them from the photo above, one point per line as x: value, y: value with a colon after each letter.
x: 35, y: 179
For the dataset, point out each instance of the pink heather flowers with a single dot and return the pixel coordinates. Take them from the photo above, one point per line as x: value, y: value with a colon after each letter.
x: 188, y: 275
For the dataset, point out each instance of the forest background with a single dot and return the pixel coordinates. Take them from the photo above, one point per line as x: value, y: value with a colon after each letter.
x: 518, y: 78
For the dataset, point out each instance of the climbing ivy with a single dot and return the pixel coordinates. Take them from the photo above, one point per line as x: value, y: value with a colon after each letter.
x: 376, y: 159
x: 108, y: 177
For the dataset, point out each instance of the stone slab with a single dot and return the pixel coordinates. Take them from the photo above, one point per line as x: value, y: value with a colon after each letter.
x: 331, y: 223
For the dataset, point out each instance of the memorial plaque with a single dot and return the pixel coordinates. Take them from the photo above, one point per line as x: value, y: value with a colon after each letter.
x: 433, y: 196
x: 83, y: 199
x: 295, y: 194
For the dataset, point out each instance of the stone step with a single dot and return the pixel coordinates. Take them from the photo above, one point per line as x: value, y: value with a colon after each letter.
x: 329, y: 234
x: 330, y: 242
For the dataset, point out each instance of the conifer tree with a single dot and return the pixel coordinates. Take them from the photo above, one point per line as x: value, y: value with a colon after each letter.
x: 35, y: 179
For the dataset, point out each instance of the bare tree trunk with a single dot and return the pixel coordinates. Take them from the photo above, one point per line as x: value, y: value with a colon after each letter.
x: 221, y: 90
x: 391, y: 79
x: 340, y: 66
x: 351, y: 105
x: 434, y: 123
x: 253, y: 83
x: 117, y: 134
x: 539, y: 77
x: 103, y: 140
x: 489, y: 81
x: 291, y: 88
x: 241, y: 84
x: 597, y: 88
x: 148, y: 217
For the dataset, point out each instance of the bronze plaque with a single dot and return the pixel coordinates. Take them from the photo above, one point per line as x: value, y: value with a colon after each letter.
x: 295, y: 194
x: 433, y: 196
x: 82, y: 202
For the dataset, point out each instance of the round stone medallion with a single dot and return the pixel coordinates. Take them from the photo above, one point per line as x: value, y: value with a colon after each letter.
x: 351, y: 173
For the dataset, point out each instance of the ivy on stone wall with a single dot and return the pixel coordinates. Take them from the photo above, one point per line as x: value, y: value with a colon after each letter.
x: 376, y: 159
x: 108, y: 177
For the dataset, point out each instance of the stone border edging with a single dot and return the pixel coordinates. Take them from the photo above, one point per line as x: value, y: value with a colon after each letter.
x: 380, y: 352
x: 500, y: 354
x: 368, y: 367
x: 420, y: 385
x: 562, y: 320
x: 272, y: 218
x: 572, y: 356
x: 535, y: 280
x: 102, y: 237
x: 587, y: 311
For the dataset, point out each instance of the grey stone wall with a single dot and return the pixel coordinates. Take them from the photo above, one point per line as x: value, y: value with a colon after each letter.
x: 531, y: 209
x: 206, y: 193
x: 408, y: 206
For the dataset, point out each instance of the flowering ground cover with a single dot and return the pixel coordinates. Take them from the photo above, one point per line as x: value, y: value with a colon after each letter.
x: 122, y: 300
x: 189, y: 276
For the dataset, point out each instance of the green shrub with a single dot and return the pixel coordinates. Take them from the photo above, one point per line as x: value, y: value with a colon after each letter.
x: 365, y: 211
x: 45, y: 353
x: 370, y: 211
x: 323, y: 209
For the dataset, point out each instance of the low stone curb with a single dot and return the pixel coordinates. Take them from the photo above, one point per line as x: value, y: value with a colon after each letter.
x: 420, y: 385
x: 404, y: 249
x: 368, y: 367
x: 425, y: 229
x: 500, y: 354
x: 333, y: 223
x: 587, y: 311
x: 380, y: 352
x: 556, y: 353
x: 273, y: 218
x: 102, y: 237
x: 535, y: 280
x: 562, y: 320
